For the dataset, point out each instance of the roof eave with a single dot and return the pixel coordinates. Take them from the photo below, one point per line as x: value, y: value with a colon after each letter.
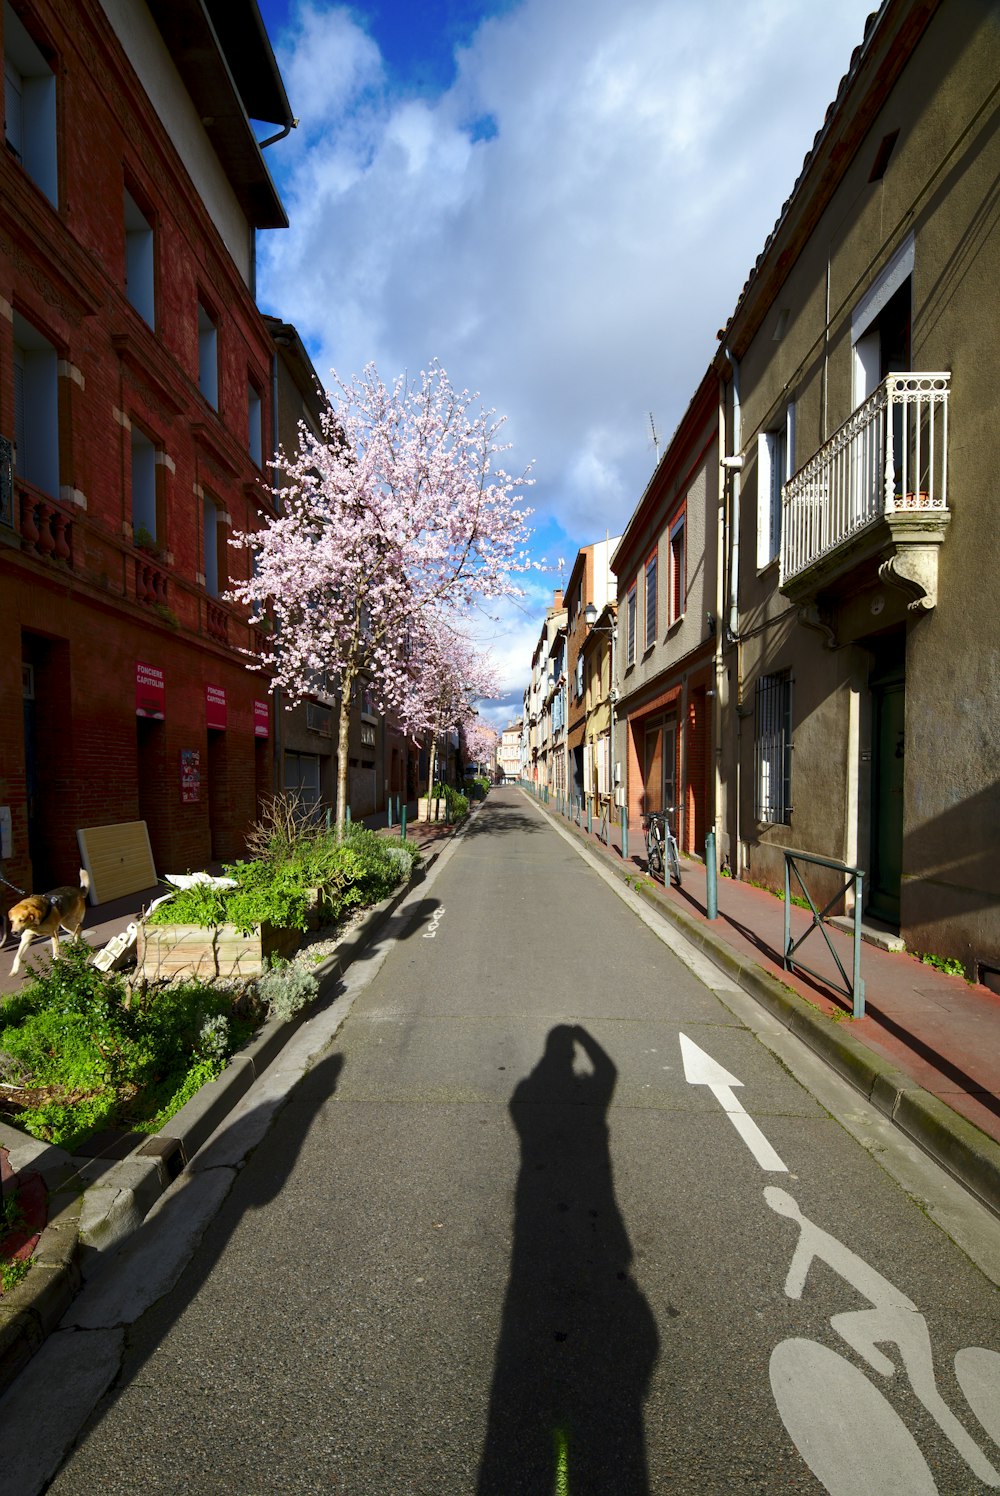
x: 198, y: 55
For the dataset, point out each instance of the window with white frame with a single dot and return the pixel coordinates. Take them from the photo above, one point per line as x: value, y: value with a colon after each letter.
x: 630, y: 612
x: 36, y: 407
x: 775, y: 464
x: 651, y: 601
x: 255, y: 442
x: 773, y: 747
x: 578, y: 677
x: 145, y: 530
x: 208, y: 356
x: 678, y: 567
x: 139, y: 260
x: 29, y: 105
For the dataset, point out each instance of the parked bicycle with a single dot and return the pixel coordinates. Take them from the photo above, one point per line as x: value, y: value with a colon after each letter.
x: 661, y: 846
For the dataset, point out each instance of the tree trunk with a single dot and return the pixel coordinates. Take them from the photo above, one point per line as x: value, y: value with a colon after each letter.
x: 431, y: 765
x: 343, y: 751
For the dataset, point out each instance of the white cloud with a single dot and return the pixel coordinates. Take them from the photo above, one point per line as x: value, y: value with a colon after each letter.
x: 575, y: 265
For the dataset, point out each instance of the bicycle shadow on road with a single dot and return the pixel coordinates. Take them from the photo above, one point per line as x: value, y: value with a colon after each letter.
x: 578, y: 1340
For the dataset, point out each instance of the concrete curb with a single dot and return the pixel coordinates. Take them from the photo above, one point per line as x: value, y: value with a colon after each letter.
x: 95, y: 1206
x: 950, y: 1139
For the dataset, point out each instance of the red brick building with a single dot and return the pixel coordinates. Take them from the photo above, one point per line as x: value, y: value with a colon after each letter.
x: 135, y: 404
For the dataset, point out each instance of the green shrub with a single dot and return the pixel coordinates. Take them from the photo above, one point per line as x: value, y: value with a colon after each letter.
x: 114, y: 1059
x: 201, y: 904
x: 456, y: 803
x: 949, y: 965
x: 286, y: 989
x: 360, y: 869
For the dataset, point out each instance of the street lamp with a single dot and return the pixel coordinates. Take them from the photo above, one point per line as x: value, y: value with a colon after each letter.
x: 590, y: 616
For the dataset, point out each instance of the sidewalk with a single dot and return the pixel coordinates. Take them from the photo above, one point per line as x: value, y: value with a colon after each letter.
x: 927, y: 1052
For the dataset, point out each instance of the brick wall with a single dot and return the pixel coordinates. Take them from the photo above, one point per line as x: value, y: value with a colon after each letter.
x: 85, y: 617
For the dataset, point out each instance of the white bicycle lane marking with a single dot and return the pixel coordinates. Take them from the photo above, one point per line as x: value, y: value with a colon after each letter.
x: 436, y: 919
x: 820, y: 1394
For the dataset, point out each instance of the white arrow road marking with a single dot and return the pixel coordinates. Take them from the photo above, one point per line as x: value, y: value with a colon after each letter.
x: 701, y: 1070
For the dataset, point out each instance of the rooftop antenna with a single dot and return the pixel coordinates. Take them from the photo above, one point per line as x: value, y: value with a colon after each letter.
x: 656, y: 439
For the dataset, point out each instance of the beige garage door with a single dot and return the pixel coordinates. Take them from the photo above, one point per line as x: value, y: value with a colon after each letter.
x: 118, y: 859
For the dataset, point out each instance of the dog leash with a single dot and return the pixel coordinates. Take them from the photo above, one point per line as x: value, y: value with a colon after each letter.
x: 11, y: 885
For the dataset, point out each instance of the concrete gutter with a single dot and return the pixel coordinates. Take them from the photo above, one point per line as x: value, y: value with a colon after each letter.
x: 950, y: 1139
x: 96, y: 1205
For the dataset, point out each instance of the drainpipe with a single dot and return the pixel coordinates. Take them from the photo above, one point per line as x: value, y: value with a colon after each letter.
x: 720, y: 599
x: 732, y: 465
x: 272, y: 139
x: 279, y: 778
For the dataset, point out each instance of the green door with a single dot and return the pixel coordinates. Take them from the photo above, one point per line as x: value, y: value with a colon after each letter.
x: 887, y: 806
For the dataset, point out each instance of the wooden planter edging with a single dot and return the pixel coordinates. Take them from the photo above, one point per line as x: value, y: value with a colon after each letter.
x: 168, y: 951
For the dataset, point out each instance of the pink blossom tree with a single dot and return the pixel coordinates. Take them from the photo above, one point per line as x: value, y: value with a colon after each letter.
x: 481, y: 742
x: 450, y: 675
x: 397, y: 515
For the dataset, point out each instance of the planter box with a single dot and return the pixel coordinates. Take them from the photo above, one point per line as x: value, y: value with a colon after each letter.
x: 431, y: 810
x: 168, y: 951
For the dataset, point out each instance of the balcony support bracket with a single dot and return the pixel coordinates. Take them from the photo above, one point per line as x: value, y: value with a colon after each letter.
x: 811, y: 616
x: 913, y: 564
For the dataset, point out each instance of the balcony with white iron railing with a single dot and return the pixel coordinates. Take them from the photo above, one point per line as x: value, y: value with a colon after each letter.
x: 877, y: 491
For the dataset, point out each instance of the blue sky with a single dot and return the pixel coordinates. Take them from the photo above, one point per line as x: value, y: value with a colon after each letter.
x: 559, y: 202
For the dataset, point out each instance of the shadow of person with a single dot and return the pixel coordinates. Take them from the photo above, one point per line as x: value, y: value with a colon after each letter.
x: 578, y: 1341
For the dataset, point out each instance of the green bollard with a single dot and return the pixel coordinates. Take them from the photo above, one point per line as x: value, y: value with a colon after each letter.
x: 624, y: 834
x: 711, y: 878
x: 347, y: 817
x: 389, y: 814
x: 402, y: 823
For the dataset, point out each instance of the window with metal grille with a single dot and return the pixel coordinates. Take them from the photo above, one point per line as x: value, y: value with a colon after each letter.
x: 773, y: 747
x: 318, y: 719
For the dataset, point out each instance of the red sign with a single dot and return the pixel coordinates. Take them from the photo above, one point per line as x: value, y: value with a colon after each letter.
x: 150, y: 691
x: 190, y: 776
x: 215, y: 707
x: 261, y: 719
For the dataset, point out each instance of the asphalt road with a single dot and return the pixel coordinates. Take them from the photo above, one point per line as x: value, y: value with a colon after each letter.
x: 501, y: 1239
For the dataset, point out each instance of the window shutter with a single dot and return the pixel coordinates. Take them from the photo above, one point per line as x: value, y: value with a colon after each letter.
x: 763, y: 500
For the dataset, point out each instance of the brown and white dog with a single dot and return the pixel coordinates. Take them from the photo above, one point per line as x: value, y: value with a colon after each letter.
x: 45, y: 914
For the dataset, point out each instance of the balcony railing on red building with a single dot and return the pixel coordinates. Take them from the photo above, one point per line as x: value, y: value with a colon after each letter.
x: 216, y: 622
x: 46, y: 528
x: 151, y: 583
